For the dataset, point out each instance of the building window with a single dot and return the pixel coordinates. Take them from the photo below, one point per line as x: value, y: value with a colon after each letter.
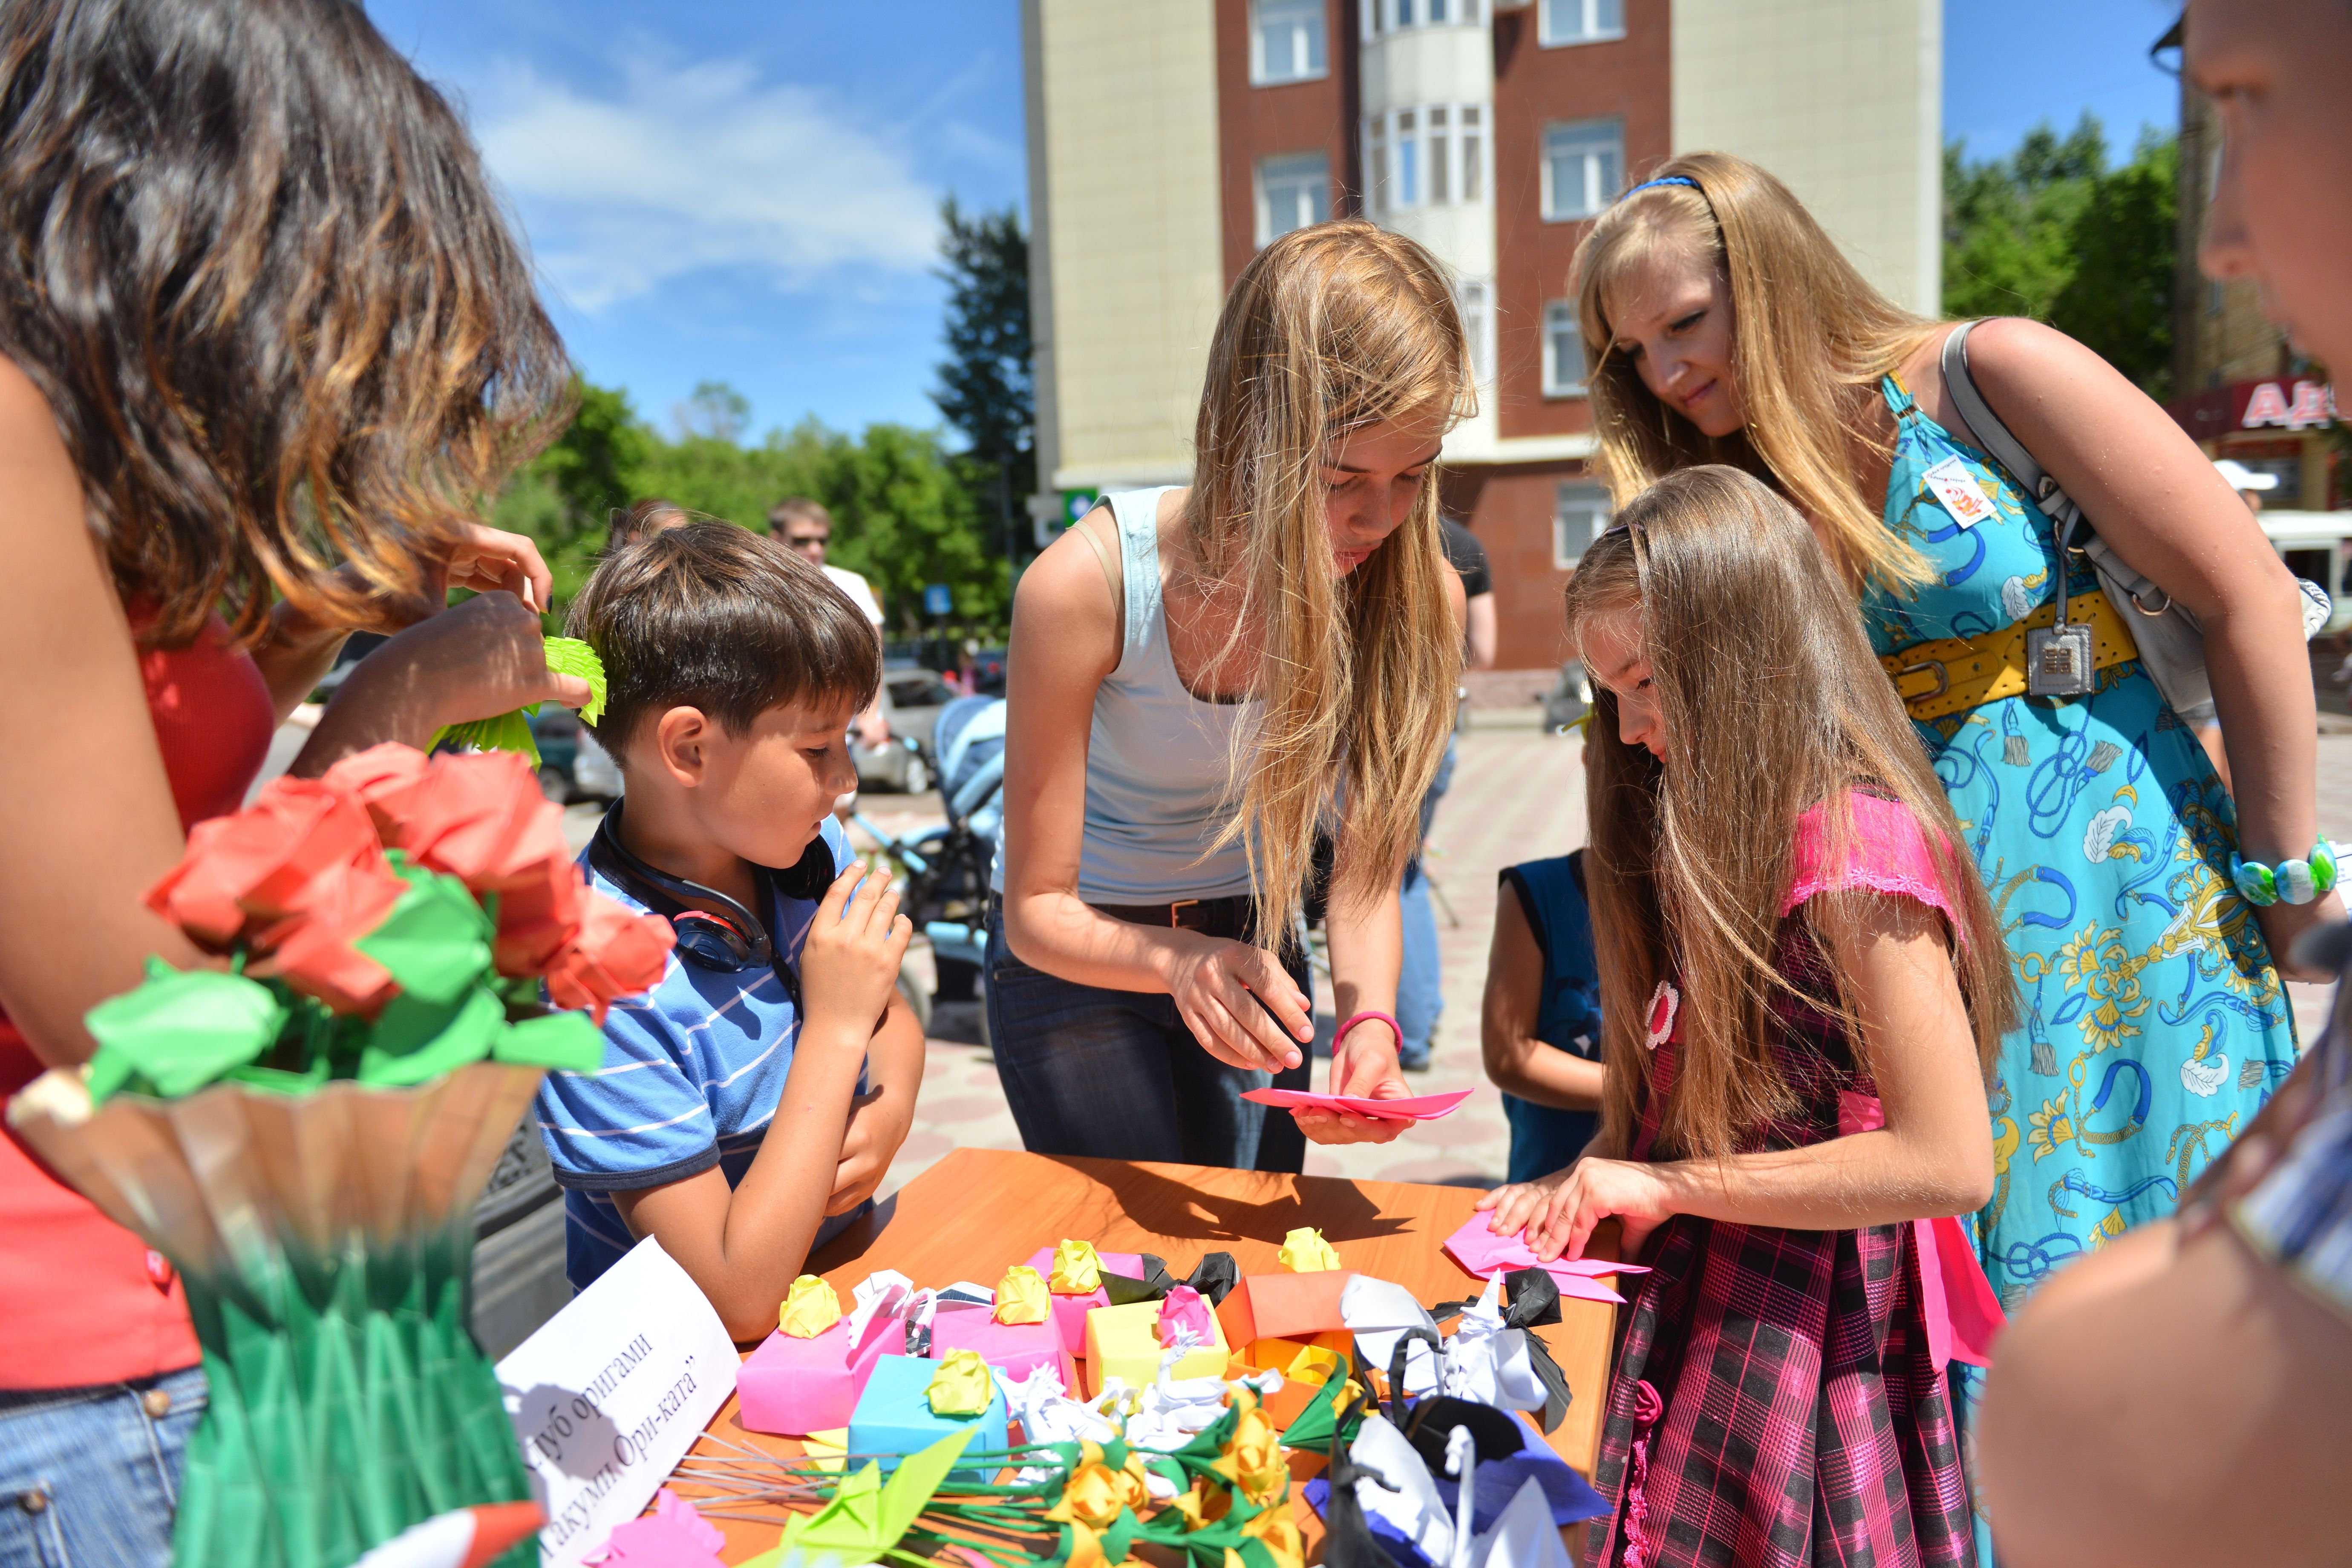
x: 1580, y: 21
x: 1287, y: 43
x: 1432, y: 155
x: 1383, y: 17
x: 1580, y: 512
x: 1293, y: 191
x: 1473, y: 296
x: 1563, y: 351
x: 1583, y: 164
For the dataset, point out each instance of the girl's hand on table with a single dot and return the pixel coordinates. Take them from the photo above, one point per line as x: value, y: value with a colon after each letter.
x: 1219, y: 986
x: 1363, y: 1066
x: 1559, y: 1212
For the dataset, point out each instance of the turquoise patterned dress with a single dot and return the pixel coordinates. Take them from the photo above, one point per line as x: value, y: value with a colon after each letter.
x: 2153, y: 1025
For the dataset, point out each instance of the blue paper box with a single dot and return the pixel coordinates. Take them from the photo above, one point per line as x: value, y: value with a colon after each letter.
x: 893, y: 1416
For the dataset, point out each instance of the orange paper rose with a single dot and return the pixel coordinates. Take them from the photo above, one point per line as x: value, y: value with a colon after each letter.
x: 254, y: 868
x: 616, y: 953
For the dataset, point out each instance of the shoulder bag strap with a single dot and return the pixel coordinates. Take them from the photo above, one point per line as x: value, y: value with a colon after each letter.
x: 2006, y: 449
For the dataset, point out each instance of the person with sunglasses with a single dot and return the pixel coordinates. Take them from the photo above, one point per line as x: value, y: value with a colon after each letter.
x: 748, y: 1105
x: 804, y: 527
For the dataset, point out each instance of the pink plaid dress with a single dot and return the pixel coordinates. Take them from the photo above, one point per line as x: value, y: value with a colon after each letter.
x: 1778, y: 1396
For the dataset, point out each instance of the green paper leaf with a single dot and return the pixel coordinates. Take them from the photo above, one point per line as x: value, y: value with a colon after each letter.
x: 569, y: 656
x: 507, y: 732
x: 560, y: 1042
x: 1312, y: 1428
x: 435, y: 942
x: 414, y: 1041
x: 179, y: 1031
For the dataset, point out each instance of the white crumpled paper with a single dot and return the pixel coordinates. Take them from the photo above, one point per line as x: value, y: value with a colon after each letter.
x: 1413, y: 1508
x: 1488, y: 1364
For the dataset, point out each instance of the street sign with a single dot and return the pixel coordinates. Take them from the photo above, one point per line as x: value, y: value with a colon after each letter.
x: 937, y: 600
x: 1075, y: 504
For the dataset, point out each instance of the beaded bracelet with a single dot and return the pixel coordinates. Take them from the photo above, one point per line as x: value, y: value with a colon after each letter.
x: 2288, y: 882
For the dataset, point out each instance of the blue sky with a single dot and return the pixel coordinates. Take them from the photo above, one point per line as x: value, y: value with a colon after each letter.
x: 748, y: 192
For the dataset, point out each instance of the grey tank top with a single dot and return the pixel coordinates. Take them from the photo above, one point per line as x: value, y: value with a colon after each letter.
x: 1157, y: 756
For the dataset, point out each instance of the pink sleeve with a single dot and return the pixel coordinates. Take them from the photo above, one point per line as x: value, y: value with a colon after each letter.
x: 1886, y: 851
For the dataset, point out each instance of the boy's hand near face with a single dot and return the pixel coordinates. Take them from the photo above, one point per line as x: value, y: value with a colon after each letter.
x: 849, y: 977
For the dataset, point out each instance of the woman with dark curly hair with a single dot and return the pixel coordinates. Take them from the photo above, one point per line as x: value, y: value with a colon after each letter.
x: 269, y: 340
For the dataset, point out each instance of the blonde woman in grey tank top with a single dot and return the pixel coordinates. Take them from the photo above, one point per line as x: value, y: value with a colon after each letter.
x: 1199, y: 678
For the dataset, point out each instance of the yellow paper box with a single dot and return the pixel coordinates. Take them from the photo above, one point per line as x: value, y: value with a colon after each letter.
x: 1124, y: 1342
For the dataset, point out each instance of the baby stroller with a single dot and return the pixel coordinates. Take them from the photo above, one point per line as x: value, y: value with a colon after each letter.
x: 946, y: 895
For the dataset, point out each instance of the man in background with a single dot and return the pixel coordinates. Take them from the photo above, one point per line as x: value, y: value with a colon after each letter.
x: 807, y: 528
x: 1419, y: 999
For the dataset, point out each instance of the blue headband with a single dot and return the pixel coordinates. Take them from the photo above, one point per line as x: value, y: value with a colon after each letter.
x: 1669, y: 180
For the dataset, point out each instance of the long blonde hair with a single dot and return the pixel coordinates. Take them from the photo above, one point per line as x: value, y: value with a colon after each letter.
x: 1330, y: 329
x: 1773, y: 704
x: 1810, y: 337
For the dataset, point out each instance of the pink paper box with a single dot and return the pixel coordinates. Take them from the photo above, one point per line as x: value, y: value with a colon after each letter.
x: 1070, y: 1311
x: 1015, y: 1349
x: 797, y: 1386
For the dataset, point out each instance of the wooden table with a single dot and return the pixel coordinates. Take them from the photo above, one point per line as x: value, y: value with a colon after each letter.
x: 979, y: 1211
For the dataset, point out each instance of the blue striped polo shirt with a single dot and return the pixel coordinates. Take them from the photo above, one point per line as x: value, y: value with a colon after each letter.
x: 692, y: 1074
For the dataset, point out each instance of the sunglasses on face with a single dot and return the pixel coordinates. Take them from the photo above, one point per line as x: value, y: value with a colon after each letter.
x: 803, y: 540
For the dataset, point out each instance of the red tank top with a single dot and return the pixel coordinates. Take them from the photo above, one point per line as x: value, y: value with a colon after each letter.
x: 81, y: 1300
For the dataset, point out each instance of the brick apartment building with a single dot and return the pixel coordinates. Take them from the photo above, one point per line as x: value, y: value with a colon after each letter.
x: 1167, y: 142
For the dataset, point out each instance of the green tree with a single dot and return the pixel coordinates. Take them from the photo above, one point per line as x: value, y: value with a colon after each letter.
x: 565, y: 497
x: 987, y: 389
x: 2053, y: 232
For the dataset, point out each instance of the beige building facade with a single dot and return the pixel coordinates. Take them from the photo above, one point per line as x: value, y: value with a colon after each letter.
x: 1167, y: 142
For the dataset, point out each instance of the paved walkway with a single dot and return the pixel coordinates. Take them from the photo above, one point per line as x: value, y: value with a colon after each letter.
x: 1516, y: 794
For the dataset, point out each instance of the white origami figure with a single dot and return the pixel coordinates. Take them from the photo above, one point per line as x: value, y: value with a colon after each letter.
x: 1524, y: 1535
x: 1174, y: 1410
x: 886, y: 1293
x: 1048, y: 1414
x: 1488, y: 1364
x: 1413, y: 1508
x: 1378, y: 1313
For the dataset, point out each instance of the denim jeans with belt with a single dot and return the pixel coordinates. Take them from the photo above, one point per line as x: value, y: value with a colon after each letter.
x: 1115, y: 1075
x: 89, y: 1478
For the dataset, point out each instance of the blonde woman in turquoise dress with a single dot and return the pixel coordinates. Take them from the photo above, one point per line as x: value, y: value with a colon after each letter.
x: 1723, y: 326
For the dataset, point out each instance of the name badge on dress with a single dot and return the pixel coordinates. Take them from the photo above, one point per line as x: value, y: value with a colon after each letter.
x: 1958, y: 491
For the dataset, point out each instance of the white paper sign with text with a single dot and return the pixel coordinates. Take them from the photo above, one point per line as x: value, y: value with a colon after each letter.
x: 610, y: 1394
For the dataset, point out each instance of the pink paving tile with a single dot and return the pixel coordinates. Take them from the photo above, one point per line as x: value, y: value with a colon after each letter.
x: 959, y: 1108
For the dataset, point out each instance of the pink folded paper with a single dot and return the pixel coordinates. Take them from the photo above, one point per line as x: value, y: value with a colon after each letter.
x: 673, y: 1536
x: 1485, y: 1253
x: 1421, y: 1108
x: 796, y: 1386
x: 1070, y: 1311
x: 1183, y: 1309
x: 1015, y: 1350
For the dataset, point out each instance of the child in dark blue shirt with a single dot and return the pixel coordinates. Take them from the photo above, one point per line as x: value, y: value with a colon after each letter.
x: 1541, y: 1028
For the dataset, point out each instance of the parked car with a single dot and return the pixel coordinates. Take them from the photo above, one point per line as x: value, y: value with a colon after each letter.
x: 912, y: 700
x: 1568, y: 700
x: 571, y: 766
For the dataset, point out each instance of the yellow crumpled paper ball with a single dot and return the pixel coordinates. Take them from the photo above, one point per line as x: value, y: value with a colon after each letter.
x: 1020, y: 1297
x: 1078, y: 1269
x: 961, y: 1386
x: 810, y: 1307
x: 1304, y: 1251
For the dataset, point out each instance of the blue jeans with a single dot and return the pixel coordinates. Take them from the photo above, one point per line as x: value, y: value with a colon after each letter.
x: 1421, y: 1001
x: 89, y: 1476
x: 1115, y: 1075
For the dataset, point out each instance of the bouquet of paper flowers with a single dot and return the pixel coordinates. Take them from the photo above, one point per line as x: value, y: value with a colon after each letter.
x: 303, y: 1131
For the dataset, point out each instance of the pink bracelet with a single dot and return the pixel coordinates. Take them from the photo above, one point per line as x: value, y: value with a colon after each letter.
x: 1355, y: 1018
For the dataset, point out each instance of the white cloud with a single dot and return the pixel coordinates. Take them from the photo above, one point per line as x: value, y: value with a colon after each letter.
x: 695, y: 166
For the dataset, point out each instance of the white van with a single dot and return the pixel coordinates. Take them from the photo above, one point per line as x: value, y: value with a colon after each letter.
x: 2317, y: 547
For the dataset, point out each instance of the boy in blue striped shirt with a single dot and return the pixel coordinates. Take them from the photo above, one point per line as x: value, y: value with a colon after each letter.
x: 748, y: 1105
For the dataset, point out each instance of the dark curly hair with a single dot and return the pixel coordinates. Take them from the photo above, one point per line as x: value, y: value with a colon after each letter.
x: 251, y: 259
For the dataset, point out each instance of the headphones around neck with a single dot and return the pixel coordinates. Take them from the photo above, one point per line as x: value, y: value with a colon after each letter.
x: 725, y: 937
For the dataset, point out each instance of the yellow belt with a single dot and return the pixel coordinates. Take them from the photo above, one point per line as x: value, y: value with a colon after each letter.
x: 1955, y: 674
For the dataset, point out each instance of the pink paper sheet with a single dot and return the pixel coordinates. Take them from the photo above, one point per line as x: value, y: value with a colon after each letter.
x: 1485, y: 1253
x: 1421, y: 1108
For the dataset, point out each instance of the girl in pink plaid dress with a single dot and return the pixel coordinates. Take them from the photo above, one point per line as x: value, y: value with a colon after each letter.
x: 1802, y: 987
